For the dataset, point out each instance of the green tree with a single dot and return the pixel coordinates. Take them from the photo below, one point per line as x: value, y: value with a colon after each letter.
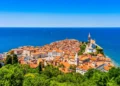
x: 101, y: 78
x: 118, y: 80
x: 0, y: 65
x: 8, y: 59
x: 114, y: 72
x: 82, y: 49
x: 89, y: 73
x: 40, y: 67
x: 73, y: 68
x: 11, y: 75
x: 51, y: 71
x: 25, y: 68
x: 14, y: 59
x: 23, y: 75
x: 11, y: 59
x: 112, y: 83
x: 35, y: 79
x: 99, y: 50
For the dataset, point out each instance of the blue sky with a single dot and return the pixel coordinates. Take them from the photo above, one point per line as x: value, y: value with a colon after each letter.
x: 59, y: 13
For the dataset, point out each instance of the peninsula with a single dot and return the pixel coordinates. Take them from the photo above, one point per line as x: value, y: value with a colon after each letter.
x: 68, y: 55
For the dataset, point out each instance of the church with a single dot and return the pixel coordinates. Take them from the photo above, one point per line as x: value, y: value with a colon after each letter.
x: 91, y: 46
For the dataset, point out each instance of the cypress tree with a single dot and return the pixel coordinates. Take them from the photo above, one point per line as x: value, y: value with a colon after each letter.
x: 40, y: 67
x: 11, y: 59
x: 8, y: 59
x: 0, y: 65
x: 14, y: 59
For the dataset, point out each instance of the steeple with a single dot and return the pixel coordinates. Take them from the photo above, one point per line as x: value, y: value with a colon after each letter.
x: 89, y: 37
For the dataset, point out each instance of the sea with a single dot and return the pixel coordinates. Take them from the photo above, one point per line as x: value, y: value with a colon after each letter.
x: 107, y: 38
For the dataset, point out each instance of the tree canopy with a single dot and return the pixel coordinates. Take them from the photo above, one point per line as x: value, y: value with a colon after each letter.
x: 11, y: 59
x: 82, y: 48
x: 23, y: 75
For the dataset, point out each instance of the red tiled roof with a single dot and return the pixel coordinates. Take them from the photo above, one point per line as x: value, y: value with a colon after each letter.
x: 32, y: 65
x: 66, y: 64
x: 107, y: 68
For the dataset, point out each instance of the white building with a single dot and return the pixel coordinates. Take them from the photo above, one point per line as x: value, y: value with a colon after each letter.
x: 91, y: 46
x: 54, y: 53
x: 5, y: 54
x: 74, y: 61
x: 81, y: 71
x: 18, y: 51
x: 26, y: 53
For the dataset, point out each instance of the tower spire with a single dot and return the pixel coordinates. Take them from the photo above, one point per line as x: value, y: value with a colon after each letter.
x: 89, y: 37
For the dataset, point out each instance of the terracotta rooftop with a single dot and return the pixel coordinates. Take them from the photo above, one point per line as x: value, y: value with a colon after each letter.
x: 93, y: 58
x: 23, y: 62
x: 100, y: 55
x: 82, y: 58
x: 57, y: 57
x: 107, y: 68
x: 66, y: 64
x: 64, y: 70
x: 84, y: 67
x: 32, y: 65
x: 99, y: 63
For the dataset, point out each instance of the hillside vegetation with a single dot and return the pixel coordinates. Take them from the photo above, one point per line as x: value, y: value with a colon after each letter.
x: 23, y: 75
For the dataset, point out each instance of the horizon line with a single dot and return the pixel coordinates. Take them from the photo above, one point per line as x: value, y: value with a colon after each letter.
x: 61, y: 27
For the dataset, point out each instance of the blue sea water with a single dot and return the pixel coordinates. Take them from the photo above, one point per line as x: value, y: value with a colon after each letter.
x: 108, y: 38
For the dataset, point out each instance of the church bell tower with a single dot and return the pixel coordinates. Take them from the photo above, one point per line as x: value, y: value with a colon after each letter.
x: 76, y: 59
x: 89, y: 37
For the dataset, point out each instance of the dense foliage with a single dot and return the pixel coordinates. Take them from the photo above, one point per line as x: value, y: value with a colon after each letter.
x: 11, y: 59
x: 23, y: 75
x: 99, y: 50
x: 82, y: 48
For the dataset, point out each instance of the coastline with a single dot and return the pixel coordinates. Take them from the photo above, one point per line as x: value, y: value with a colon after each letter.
x: 43, y: 36
x: 106, y: 55
x: 114, y: 62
